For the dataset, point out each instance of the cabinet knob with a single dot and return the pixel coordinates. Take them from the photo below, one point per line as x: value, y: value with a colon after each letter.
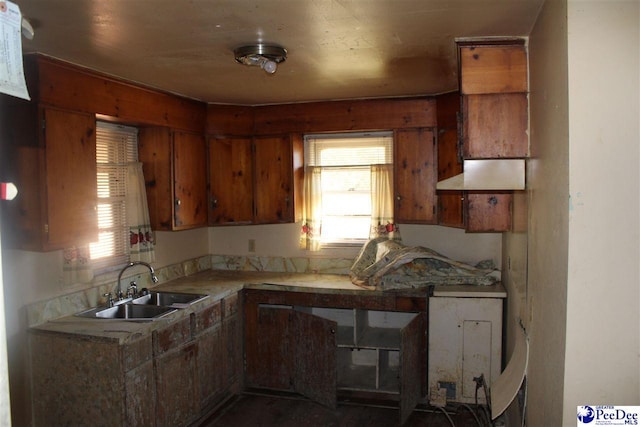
x: 178, y: 202
x: 333, y: 331
x: 399, y: 197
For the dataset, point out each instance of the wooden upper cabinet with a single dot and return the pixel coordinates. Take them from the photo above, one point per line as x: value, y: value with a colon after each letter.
x: 175, y: 171
x: 274, y: 197
x: 493, y: 69
x: 189, y: 180
x: 495, y: 126
x: 53, y: 156
x: 230, y: 180
x: 494, y: 89
x: 415, y: 176
x: 70, y: 139
x: 255, y: 180
x: 487, y: 212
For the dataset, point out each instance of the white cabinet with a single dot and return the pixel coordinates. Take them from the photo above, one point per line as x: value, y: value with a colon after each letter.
x: 465, y: 341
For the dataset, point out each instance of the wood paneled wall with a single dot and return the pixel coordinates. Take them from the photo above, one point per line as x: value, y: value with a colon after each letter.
x: 64, y: 85
x: 330, y: 116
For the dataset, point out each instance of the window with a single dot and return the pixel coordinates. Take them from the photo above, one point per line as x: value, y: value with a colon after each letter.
x: 116, y: 149
x: 340, y: 174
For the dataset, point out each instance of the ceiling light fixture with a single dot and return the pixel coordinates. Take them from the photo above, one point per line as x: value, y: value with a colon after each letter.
x: 264, y: 56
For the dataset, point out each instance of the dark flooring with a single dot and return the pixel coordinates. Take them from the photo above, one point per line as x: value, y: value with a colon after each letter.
x: 267, y: 410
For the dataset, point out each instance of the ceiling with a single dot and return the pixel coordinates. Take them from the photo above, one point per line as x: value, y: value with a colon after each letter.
x: 337, y: 49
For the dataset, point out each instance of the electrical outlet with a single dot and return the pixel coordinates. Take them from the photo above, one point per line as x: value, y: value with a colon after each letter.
x: 252, y: 245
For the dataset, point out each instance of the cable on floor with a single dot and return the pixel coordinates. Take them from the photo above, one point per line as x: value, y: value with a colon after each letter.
x: 446, y: 415
x: 470, y: 409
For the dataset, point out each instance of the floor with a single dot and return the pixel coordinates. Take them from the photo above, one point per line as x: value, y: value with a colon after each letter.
x: 267, y: 410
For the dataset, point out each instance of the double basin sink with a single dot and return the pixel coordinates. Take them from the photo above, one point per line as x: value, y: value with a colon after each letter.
x: 152, y: 306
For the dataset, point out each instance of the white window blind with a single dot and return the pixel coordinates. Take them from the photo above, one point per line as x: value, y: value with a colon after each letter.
x: 116, y: 147
x: 345, y: 161
x: 353, y: 149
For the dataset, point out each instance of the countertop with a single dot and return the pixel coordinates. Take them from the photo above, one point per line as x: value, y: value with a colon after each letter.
x: 219, y: 284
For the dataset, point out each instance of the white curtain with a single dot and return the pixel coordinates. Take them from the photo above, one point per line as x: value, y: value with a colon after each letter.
x: 382, y: 223
x: 76, y: 265
x: 141, y: 237
x: 312, y: 209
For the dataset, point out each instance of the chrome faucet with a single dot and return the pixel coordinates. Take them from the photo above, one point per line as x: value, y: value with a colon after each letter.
x: 154, y: 278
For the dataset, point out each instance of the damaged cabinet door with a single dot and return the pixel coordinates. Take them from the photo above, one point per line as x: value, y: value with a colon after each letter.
x: 315, y: 358
x: 291, y: 350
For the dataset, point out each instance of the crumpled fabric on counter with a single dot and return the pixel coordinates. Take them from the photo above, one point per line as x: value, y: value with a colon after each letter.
x: 385, y: 264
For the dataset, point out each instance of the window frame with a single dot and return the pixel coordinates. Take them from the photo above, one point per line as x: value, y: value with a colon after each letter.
x: 311, y: 158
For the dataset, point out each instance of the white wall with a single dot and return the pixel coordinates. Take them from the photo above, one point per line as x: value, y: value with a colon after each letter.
x: 282, y: 240
x: 603, y: 288
x: 548, y: 225
x: 583, y: 284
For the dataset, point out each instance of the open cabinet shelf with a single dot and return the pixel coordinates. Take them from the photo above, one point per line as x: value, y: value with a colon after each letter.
x: 322, y: 346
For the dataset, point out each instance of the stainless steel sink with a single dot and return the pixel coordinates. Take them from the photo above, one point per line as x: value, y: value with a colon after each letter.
x: 128, y: 312
x: 169, y: 299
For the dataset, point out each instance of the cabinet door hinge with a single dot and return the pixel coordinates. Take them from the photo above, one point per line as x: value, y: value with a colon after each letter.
x: 44, y: 124
x: 46, y: 229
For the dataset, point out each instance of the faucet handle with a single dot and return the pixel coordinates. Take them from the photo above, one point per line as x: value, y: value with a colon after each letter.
x: 109, y: 297
x: 132, y: 290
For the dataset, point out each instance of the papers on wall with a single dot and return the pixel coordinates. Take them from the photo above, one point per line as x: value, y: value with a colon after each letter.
x: 12, y: 80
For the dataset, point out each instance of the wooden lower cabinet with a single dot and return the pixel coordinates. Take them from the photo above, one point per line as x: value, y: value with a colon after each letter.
x: 172, y: 376
x: 177, y: 386
x: 294, y: 351
x: 232, y: 361
x: 208, y: 334
x: 318, y: 346
x: 79, y: 380
x: 139, y: 392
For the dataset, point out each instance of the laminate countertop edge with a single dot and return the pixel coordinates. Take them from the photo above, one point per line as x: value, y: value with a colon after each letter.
x: 219, y: 284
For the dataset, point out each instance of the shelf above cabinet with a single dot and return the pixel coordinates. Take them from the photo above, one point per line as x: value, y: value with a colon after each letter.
x: 488, y: 174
